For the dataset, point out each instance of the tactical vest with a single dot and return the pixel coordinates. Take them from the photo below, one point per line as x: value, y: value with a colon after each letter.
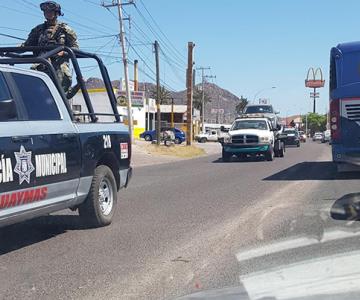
x: 52, y: 35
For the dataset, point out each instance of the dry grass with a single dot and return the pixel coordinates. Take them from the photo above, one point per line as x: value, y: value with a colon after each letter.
x: 177, y: 150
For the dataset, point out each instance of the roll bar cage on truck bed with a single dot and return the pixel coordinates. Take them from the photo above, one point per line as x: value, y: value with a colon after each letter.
x: 28, y: 55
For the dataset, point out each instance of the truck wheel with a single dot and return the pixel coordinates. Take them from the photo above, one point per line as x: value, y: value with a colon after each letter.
x: 269, y: 155
x: 226, y: 156
x: 100, y: 204
x: 148, y: 138
x: 281, y: 152
x: 279, y: 149
x: 203, y: 140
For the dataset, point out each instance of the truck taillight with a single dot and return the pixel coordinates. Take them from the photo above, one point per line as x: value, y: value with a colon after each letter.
x: 335, y: 119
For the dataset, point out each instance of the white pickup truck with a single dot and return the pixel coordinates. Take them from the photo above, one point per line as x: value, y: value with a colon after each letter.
x: 252, y: 136
x: 210, y: 136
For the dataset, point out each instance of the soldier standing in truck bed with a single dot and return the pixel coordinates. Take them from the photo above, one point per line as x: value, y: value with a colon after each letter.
x: 52, y: 33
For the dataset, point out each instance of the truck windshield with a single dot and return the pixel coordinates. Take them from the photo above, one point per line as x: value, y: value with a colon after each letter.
x: 259, y: 109
x: 250, y: 124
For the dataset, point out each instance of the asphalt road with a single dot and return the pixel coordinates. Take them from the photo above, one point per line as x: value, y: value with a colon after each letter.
x: 188, y: 226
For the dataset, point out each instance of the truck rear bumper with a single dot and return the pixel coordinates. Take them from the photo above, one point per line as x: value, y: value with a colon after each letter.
x: 125, y: 177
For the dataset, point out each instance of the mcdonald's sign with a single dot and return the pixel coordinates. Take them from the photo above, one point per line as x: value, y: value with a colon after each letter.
x: 314, y: 78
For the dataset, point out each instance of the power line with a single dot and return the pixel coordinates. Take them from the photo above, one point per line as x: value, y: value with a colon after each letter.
x: 139, y: 30
x: 29, y: 3
x: 98, y: 37
x: 161, y: 30
x: 174, y: 70
x: 19, y: 11
x: 91, y: 2
x: 88, y: 19
x: 11, y: 28
x: 157, y: 36
x: 180, y: 67
x: 150, y: 69
x: 13, y: 37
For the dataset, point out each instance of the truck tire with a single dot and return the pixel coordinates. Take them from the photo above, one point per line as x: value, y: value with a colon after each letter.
x: 269, y: 155
x: 100, y: 204
x: 281, y: 152
x: 226, y: 156
x: 147, y: 138
x: 203, y: 140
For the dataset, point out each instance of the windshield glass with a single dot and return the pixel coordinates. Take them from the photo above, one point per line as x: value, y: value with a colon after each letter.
x: 259, y: 109
x: 250, y: 124
x: 290, y: 131
x: 222, y: 172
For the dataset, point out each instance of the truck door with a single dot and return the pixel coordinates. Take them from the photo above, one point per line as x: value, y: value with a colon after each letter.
x: 55, y: 145
x: 213, y: 135
x: 16, y: 154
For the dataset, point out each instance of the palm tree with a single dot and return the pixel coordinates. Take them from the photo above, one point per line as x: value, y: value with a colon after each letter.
x: 241, y: 105
x: 197, y: 99
x: 165, y: 95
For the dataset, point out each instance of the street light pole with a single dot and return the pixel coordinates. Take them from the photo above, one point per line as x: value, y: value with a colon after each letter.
x: 263, y: 90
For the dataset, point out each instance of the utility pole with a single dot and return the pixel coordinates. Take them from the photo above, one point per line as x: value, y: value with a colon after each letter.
x: 189, y: 86
x: 158, y: 112
x: 172, y: 112
x: 203, y: 76
x: 126, y: 69
x: 136, y: 79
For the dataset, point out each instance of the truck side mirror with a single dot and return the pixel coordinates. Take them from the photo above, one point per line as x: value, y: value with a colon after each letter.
x: 7, y: 110
x: 222, y: 128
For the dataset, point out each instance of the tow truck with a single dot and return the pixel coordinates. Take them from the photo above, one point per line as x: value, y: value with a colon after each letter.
x: 52, y: 158
x: 253, y: 135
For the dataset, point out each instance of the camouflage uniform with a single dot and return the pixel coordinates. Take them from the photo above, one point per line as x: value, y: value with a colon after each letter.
x: 49, y: 35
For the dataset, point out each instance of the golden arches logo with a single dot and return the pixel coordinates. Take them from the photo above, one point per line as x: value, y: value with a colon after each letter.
x: 314, y: 81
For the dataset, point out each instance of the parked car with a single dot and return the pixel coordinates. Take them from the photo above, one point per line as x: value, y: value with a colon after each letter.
x: 317, y: 136
x: 326, y: 136
x: 150, y: 135
x: 210, y: 136
x: 302, y: 136
x: 292, y: 137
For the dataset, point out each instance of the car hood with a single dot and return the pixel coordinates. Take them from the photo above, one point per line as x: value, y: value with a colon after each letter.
x: 250, y: 132
x: 332, y: 276
x: 317, y: 263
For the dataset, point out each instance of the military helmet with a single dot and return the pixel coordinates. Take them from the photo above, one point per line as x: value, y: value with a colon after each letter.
x: 51, y: 5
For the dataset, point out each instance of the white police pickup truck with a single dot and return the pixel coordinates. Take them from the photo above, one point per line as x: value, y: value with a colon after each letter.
x: 48, y: 160
x: 252, y: 136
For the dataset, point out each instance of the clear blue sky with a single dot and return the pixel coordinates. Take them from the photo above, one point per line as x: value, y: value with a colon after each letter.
x: 249, y: 45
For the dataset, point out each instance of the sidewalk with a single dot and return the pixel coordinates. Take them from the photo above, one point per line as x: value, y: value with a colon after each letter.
x: 142, y: 157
